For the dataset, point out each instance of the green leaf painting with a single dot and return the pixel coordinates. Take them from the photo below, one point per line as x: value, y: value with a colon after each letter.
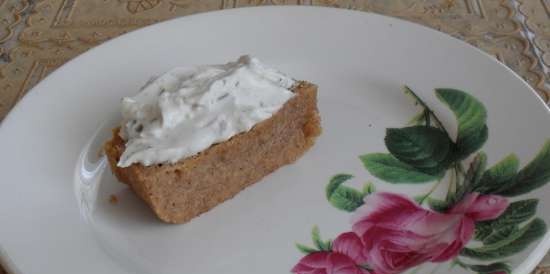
x: 498, y: 267
x: 343, y: 197
x: 425, y: 148
x: 388, y: 168
x: 532, y: 176
x: 515, y: 242
x: 517, y: 212
x: 471, y: 178
x: 319, y: 244
x: 316, y: 238
x: 368, y: 188
x: 471, y: 117
x: 437, y: 205
x: 498, y: 176
x: 305, y: 249
x: 483, y: 230
x: 508, y: 222
x: 501, y: 234
x: 476, y: 170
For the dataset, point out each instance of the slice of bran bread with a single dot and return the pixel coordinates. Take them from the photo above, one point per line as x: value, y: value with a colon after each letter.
x: 183, y: 190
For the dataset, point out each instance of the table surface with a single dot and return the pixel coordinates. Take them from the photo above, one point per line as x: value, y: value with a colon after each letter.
x: 37, y: 36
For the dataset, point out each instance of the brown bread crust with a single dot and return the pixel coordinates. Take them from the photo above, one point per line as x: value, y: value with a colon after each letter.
x: 178, y: 192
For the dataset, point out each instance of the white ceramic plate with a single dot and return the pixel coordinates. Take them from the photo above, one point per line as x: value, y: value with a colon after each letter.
x: 55, y: 214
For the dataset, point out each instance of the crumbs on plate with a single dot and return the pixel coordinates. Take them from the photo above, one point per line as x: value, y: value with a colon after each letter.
x: 113, y: 199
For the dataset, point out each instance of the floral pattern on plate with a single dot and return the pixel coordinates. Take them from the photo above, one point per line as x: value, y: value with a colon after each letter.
x: 391, y: 233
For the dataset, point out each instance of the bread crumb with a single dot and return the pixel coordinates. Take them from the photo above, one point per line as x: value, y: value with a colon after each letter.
x: 113, y: 199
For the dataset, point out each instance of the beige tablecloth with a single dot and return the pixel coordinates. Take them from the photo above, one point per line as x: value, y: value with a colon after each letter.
x: 38, y: 36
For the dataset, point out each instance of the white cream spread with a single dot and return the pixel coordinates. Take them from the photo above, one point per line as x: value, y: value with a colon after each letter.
x: 186, y: 110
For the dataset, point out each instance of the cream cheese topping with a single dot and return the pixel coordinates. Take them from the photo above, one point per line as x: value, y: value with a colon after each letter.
x: 186, y: 110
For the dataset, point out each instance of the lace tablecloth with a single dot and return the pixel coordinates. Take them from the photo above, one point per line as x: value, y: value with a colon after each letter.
x: 37, y: 36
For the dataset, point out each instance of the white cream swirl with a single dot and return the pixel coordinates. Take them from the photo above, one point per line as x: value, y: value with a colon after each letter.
x: 186, y: 110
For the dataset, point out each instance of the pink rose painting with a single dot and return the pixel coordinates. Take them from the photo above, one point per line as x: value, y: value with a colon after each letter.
x: 390, y: 233
x: 398, y: 234
x: 346, y: 257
